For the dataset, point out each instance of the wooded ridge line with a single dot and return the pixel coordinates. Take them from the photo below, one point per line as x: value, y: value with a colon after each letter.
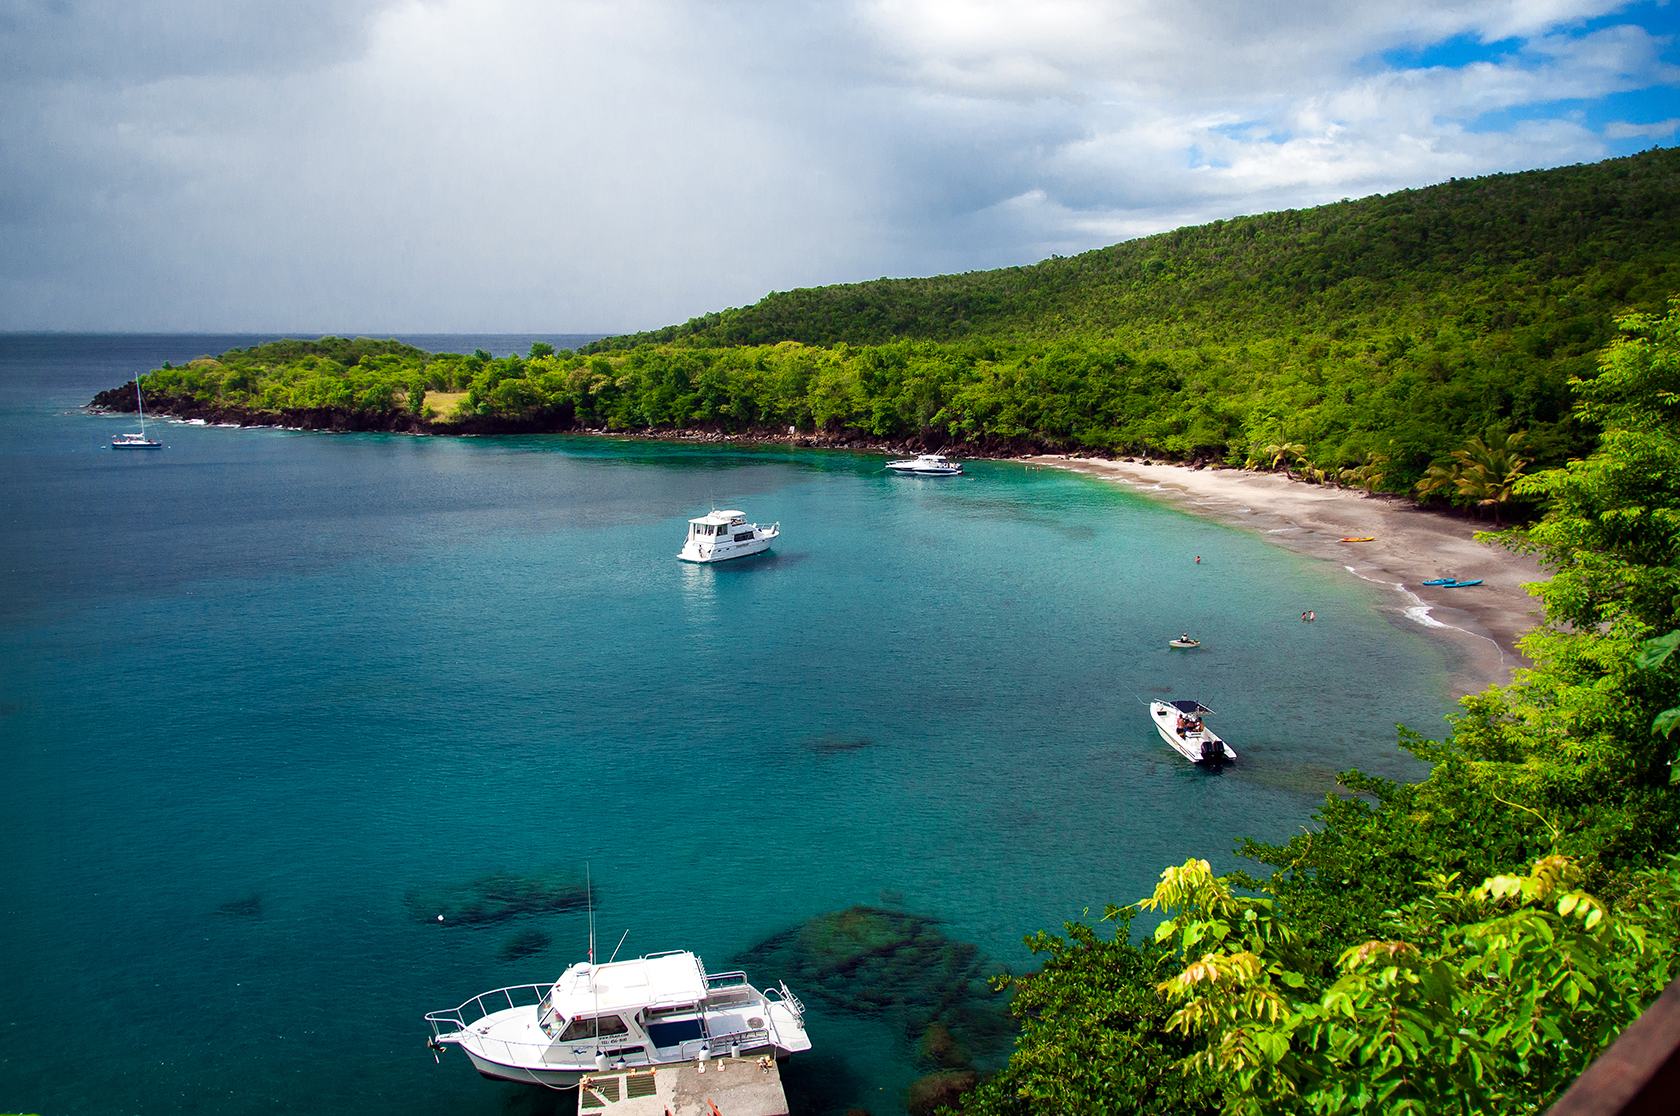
x: 1378, y: 335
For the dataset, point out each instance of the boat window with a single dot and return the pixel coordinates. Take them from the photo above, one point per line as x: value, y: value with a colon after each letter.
x: 609, y: 1025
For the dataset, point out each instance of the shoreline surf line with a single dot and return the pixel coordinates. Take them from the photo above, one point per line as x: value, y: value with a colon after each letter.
x: 1412, y: 545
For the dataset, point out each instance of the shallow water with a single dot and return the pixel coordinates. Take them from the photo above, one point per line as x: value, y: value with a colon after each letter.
x: 263, y: 688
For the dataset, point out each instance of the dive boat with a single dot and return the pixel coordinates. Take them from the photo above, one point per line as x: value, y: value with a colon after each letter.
x: 1181, y: 726
x: 660, y: 1010
x: 131, y: 440
x: 926, y: 465
x: 722, y: 535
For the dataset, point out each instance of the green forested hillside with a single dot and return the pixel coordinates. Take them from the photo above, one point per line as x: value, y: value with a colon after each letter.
x: 1379, y: 336
x: 1496, y: 253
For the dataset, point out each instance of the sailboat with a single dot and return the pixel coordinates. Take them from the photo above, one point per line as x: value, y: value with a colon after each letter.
x: 132, y: 440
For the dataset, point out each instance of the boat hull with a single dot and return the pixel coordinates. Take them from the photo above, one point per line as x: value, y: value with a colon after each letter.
x: 1189, y: 745
x: 136, y: 445
x: 725, y: 552
x: 496, y: 1071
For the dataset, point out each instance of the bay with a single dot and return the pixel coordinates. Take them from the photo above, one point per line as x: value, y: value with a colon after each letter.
x: 260, y: 690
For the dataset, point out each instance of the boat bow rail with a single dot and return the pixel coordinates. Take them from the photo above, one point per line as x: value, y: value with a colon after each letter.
x: 467, y: 1023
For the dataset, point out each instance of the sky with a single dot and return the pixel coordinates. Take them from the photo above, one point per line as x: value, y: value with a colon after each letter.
x: 384, y: 166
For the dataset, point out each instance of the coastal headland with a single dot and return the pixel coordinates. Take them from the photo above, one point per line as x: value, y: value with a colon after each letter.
x: 1480, y: 625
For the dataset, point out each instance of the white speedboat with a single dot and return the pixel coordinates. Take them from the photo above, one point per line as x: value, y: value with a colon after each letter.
x: 659, y: 1010
x: 1181, y: 725
x: 926, y: 465
x: 723, y: 535
x: 131, y: 440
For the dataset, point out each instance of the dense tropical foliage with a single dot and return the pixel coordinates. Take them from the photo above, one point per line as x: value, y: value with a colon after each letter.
x: 1465, y: 944
x: 1372, y: 339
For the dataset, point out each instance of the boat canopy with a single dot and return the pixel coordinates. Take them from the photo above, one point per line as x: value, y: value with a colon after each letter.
x: 658, y: 980
x: 720, y: 518
x: 1191, y: 707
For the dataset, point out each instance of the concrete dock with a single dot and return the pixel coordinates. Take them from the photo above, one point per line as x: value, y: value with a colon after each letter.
x: 746, y: 1086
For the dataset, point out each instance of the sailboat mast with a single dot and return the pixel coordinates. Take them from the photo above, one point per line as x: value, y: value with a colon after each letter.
x: 140, y: 402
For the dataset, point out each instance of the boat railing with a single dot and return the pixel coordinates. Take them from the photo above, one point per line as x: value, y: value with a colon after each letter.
x: 786, y: 996
x: 718, y: 1045
x: 460, y: 1018
x: 725, y: 980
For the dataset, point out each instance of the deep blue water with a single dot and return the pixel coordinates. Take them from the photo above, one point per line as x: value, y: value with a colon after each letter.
x: 322, y: 671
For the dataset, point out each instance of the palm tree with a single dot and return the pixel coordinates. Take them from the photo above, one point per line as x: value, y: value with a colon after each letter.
x: 1437, y: 479
x: 1283, y: 454
x: 1489, y: 474
x: 1370, y: 474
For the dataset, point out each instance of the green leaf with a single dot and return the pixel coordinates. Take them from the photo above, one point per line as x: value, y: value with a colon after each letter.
x: 1655, y: 651
x: 1666, y: 721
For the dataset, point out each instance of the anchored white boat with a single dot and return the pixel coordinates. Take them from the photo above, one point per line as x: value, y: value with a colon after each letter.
x: 1181, y: 726
x: 926, y: 465
x: 722, y: 535
x: 659, y: 1010
x: 131, y: 440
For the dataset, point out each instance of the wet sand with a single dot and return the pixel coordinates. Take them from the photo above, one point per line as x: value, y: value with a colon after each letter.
x: 1478, y: 625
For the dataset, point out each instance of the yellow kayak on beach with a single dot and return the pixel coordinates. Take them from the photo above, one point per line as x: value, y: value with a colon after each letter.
x: 1366, y: 538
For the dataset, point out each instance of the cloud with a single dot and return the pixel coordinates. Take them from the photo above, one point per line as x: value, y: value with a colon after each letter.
x: 583, y: 165
x: 1662, y: 129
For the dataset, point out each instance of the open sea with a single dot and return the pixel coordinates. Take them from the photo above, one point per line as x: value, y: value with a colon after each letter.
x: 269, y: 697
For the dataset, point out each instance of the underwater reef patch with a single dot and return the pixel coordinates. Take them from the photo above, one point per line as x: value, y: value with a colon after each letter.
x: 497, y: 897
x: 900, y: 968
x: 524, y: 944
x: 834, y: 744
x: 248, y: 907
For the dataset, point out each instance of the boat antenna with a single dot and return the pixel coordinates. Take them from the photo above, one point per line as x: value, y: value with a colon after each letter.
x: 619, y: 946
x: 589, y: 903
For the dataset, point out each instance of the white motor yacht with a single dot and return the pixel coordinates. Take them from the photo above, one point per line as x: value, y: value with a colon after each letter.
x: 1181, y: 725
x: 926, y: 465
x: 659, y: 1010
x: 722, y: 535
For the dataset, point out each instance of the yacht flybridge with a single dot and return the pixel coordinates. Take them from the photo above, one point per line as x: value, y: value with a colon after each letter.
x: 660, y: 1010
x: 722, y: 535
x: 926, y: 465
x: 1181, y: 725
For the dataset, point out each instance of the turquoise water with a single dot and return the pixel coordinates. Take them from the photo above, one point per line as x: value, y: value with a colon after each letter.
x: 259, y: 687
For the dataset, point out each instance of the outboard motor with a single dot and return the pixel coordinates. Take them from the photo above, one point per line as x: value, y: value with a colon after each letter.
x: 1212, y: 751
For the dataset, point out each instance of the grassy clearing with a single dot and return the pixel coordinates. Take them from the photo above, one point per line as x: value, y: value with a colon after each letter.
x: 443, y: 404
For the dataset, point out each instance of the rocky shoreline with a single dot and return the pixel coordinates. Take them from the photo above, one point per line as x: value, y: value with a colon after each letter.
x: 120, y: 400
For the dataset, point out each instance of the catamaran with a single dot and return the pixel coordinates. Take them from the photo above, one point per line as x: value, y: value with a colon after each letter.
x: 132, y: 440
x: 1181, y: 726
x: 663, y: 1009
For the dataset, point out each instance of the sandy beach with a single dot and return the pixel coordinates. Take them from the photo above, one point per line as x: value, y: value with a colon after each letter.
x: 1478, y: 625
